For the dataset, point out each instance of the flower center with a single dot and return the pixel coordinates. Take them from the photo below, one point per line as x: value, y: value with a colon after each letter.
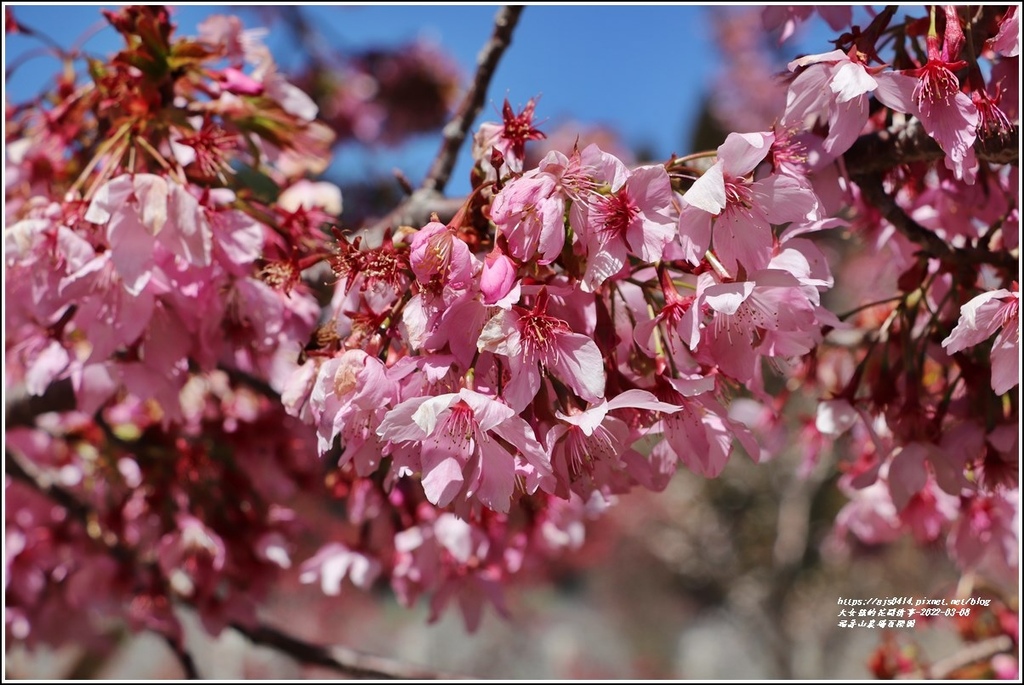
x: 538, y: 333
x: 737, y: 193
x: 438, y: 253
x: 582, y: 450
x: 459, y: 425
x: 615, y: 213
x: 936, y: 84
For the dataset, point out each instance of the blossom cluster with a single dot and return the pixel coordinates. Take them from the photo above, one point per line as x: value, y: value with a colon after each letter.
x: 470, y: 393
x: 143, y: 278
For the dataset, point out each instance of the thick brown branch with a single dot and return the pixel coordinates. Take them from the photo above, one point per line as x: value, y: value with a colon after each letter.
x: 876, y: 153
x: 429, y: 198
x: 874, y: 193
x: 415, y: 211
x: 457, y: 129
x: 22, y: 409
x: 247, y: 379
x: 346, y: 661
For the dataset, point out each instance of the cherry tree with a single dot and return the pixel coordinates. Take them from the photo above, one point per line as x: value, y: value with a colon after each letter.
x: 221, y: 373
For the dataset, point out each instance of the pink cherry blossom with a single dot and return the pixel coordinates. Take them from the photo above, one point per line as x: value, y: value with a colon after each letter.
x: 635, y: 219
x: 508, y: 138
x: 726, y: 209
x: 700, y: 434
x: 594, y: 447
x: 1007, y: 41
x: 869, y: 515
x: 834, y: 87
x: 987, y: 533
x: 948, y: 114
x: 791, y: 16
x: 529, y: 212
x: 237, y: 82
x: 498, y: 279
x: 437, y: 253
x: 532, y: 339
x: 769, y: 315
x: 334, y: 562
x: 349, y: 398
x: 996, y: 310
x: 458, y: 451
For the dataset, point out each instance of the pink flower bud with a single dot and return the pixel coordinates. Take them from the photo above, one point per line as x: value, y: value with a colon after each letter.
x: 234, y: 81
x: 498, y: 277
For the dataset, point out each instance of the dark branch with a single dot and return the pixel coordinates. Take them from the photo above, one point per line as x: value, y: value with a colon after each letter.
x: 457, y: 129
x: 252, y: 382
x: 22, y: 469
x: 22, y: 409
x: 343, y: 660
x: 347, y: 661
x: 188, y: 664
x: 874, y: 193
x: 876, y: 153
x: 415, y: 210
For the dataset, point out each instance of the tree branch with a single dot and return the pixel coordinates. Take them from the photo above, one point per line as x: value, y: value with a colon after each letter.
x: 876, y: 153
x: 22, y: 469
x: 188, y: 664
x: 415, y: 210
x: 973, y: 653
x: 346, y: 661
x: 341, y: 659
x: 429, y: 198
x: 873, y: 191
x: 22, y: 409
x: 457, y: 129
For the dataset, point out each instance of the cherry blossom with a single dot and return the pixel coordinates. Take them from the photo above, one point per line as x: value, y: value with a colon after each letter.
x: 532, y: 339
x: 996, y: 310
x: 459, y: 452
x: 245, y: 379
x: 728, y: 211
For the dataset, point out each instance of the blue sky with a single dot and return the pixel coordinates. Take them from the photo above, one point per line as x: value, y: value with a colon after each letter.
x: 641, y: 69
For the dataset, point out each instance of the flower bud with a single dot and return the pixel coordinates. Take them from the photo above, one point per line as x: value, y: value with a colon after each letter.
x: 498, y: 277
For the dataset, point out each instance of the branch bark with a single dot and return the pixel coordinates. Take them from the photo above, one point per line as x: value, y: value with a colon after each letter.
x: 22, y: 409
x: 416, y: 209
x: 457, y: 129
x: 876, y: 153
x: 874, y: 193
x: 347, y: 661
x: 188, y: 664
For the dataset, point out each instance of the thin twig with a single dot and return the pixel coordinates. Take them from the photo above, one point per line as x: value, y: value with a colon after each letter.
x: 457, y: 129
x: 973, y: 653
x: 344, y: 660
